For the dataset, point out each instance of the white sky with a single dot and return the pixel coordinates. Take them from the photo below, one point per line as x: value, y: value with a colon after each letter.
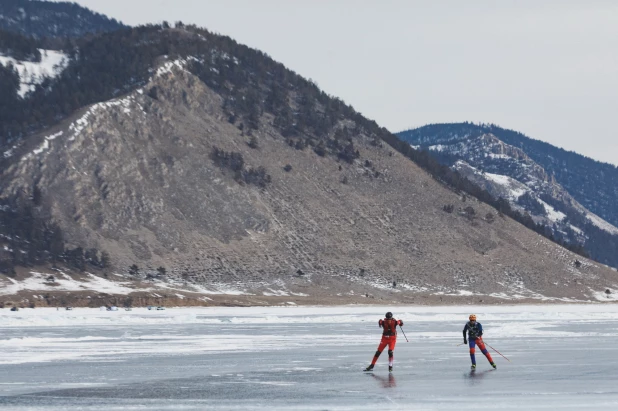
x: 546, y: 68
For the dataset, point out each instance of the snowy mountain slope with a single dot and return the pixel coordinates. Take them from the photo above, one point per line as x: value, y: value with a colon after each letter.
x: 507, y: 171
x: 502, y: 165
x: 592, y: 183
x: 527, y: 200
x: 32, y: 73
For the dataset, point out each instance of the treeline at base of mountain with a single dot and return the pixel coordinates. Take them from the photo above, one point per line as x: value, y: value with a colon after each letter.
x: 251, y: 83
x: 31, y: 238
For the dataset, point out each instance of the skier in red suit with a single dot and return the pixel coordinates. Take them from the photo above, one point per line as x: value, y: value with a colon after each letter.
x: 389, y: 337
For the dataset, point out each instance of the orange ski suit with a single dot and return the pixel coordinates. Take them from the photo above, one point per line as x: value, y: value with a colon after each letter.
x: 389, y: 337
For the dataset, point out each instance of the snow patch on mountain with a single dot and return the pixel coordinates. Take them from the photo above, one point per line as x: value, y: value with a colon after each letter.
x: 510, y: 189
x: 32, y: 73
x: 576, y: 229
x: 499, y: 179
x: 602, y: 224
x: 552, y: 214
x: 604, y: 296
x: 39, y: 282
x: 438, y: 147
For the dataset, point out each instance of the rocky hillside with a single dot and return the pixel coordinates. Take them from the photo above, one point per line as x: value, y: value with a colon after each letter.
x: 507, y: 171
x: 52, y: 19
x: 233, y: 180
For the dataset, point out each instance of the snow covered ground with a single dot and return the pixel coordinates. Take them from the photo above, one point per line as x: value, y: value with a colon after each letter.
x: 602, y: 224
x: 562, y: 357
x: 52, y: 63
x: 38, y: 284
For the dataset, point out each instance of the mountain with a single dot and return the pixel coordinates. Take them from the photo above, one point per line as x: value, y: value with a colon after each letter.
x: 179, y: 158
x: 572, y: 195
x: 52, y: 19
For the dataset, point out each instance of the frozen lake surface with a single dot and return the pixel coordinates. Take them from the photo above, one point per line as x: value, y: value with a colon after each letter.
x: 562, y: 357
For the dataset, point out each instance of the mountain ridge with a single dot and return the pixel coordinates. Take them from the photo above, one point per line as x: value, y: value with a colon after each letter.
x: 144, y: 182
x: 545, y: 154
x: 483, y: 152
x: 180, y: 149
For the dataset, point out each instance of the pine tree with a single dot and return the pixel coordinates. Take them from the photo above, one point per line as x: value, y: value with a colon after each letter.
x: 105, y: 260
x: 92, y: 257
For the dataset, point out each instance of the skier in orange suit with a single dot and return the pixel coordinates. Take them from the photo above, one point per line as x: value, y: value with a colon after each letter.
x: 389, y: 337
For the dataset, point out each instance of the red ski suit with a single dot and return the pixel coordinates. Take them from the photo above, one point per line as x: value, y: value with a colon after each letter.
x: 389, y: 337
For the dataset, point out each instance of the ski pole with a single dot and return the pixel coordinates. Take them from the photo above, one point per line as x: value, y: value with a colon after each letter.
x: 460, y: 344
x: 498, y: 352
x: 404, y: 334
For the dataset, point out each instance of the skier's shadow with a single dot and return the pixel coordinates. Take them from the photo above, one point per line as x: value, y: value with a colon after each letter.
x: 386, y: 382
x: 475, y: 377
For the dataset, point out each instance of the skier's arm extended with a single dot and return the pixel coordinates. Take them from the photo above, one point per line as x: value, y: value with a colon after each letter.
x: 464, y: 334
x: 480, y: 328
x: 381, y: 323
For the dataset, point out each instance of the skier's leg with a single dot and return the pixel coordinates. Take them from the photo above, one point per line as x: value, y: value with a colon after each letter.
x: 481, y: 345
x: 391, y: 349
x: 471, y: 343
x: 379, y: 351
x: 391, y: 345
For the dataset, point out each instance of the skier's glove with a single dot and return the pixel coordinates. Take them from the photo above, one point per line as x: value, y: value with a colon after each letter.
x: 400, y: 323
x: 465, y: 341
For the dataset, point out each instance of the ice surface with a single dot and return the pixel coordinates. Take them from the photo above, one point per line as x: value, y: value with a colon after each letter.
x: 263, y: 358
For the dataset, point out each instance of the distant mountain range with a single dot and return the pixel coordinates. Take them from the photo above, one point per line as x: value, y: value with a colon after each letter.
x: 52, y: 19
x: 575, y: 196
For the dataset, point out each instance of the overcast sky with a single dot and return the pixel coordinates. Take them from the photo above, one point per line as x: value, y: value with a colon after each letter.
x: 546, y: 68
